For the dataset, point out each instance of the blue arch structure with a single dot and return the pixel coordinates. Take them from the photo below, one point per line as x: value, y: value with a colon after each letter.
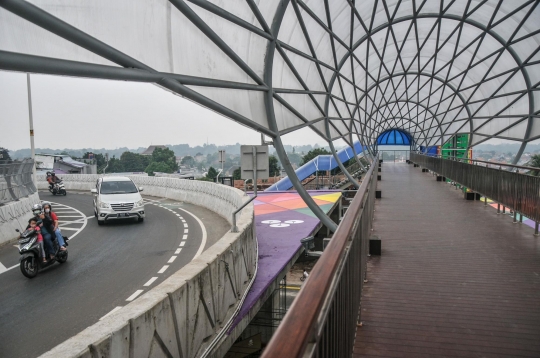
x: 394, y: 137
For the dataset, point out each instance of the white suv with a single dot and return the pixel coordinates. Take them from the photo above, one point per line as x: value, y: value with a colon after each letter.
x: 117, y: 198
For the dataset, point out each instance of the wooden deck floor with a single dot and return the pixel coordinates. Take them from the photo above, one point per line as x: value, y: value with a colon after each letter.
x: 454, y: 280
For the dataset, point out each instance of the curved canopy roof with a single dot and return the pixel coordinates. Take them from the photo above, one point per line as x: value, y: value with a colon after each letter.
x: 431, y: 68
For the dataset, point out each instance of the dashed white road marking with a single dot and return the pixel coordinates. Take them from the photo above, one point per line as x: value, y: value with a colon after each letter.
x: 163, y: 269
x: 68, y: 228
x: 171, y: 260
x: 184, y: 237
x: 203, y: 229
x: 113, y: 310
x: 185, y: 225
x: 64, y: 222
x: 182, y: 243
x: 2, y: 268
x: 186, y: 231
x: 82, y: 221
x: 150, y: 281
x: 61, y: 205
x: 134, y: 296
x: 178, y: 250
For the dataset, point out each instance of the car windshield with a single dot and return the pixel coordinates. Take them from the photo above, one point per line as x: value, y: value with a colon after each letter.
x: 118, y: 187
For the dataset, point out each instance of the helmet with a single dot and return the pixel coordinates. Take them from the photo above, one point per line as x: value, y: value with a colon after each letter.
x: 36, y: 209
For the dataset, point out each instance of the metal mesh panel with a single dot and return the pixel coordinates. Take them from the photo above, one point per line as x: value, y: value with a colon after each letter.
x: 16, y: 180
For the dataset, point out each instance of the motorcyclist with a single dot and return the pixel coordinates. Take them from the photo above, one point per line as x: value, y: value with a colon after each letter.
x: 52, y: 179
x: 47, y: 238
x: 50, y: 224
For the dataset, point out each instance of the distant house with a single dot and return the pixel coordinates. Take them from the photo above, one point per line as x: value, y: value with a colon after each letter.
x: 151, y: 149
x: 63, y: 164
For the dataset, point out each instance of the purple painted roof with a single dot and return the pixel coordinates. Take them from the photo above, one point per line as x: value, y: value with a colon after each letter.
x: 278, y: 233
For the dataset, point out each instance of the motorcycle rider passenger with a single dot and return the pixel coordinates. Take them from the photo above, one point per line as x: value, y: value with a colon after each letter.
x: 47, y: 238
x: 50, y: 222
x: 52, y: 179
x: 33, y: 224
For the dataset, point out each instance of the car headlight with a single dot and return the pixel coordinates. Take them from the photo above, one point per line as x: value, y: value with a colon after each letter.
x: 139, y: 203
x: 104, y: 205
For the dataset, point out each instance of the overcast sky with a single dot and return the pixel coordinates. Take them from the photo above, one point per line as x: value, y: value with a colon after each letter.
x: 86, y: 113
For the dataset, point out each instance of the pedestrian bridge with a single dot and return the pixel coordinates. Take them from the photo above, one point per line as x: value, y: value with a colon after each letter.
x: 348, y: 71
x: 456, y: 277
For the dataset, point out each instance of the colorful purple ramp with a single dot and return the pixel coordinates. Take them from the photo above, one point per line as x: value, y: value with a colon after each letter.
x: 281, y: 220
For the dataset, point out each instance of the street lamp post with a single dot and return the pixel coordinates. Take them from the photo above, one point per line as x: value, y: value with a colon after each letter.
x: 31, y: 120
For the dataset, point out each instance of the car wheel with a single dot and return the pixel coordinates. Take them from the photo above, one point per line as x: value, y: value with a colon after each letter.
x: 100, y: 222
x: 140, y: 220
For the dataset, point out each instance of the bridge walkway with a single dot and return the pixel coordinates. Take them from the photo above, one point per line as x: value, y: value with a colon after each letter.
x: 455, y: 279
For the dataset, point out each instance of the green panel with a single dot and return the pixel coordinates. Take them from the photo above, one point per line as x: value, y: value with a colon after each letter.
x: 456, y: 146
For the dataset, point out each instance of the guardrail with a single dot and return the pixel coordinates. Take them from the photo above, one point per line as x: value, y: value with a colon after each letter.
x: 322, y: 319
x: 16, y: 180
x: 392, y: 155
x: 182, y: 316
x: 519, y: 192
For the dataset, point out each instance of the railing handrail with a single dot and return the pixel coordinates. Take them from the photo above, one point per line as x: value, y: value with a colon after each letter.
x: 481, y: 161
x: 301, y: 321
x: 518, y: 191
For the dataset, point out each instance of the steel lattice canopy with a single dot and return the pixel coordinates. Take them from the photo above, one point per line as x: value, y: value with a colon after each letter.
x: 430, y: 68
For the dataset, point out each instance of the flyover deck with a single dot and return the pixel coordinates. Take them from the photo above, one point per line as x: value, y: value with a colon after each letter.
x: 454, y: 280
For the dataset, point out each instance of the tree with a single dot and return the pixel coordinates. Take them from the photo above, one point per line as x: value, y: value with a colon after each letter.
x: 188, y: 160
x: 4, y: 154
x: 115, y: 166
x: 160, y: 167
x: 212, y: 173
x: 273, y: 166
x: 534, y: 162
x: 237, y: 174
x: 134, y: 162
x: 313, y: 154
x: 165, y: 155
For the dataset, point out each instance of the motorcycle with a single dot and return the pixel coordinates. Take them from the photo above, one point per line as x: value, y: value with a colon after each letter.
x: 58, y: 188
x: 30, y: 260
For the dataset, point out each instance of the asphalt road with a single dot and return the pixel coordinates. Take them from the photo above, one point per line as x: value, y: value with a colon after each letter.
x: 108, y: 266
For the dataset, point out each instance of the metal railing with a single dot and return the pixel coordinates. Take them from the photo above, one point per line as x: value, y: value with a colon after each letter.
x: 519, y: 192
x: 323, y: 317
x: 16, y: 180
x: 394, y: 155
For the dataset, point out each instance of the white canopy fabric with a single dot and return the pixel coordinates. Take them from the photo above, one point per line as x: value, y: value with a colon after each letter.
x: 430, y: 68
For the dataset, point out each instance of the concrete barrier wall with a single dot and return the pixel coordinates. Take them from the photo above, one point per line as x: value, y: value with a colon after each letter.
x: 179, y: 317
x: 15, y: 215
x: 221, y: 199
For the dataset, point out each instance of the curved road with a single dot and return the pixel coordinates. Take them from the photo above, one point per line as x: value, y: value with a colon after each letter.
x: 108, y: 266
